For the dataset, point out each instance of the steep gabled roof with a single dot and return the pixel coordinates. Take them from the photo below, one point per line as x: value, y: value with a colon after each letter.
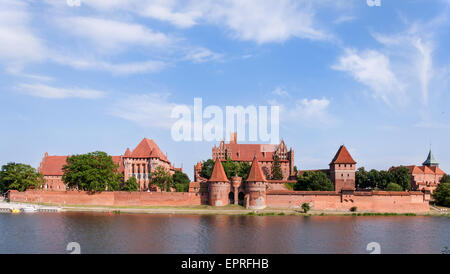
x: 127, y: 153
x: 256, y: 174
x: 148, y: 149
x: 430, y: 161
x: 218, y: 173
x: 52, y: 165
x: 343, y: 157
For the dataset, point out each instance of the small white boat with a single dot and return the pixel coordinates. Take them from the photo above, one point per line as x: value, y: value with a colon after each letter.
x: 29, y: 209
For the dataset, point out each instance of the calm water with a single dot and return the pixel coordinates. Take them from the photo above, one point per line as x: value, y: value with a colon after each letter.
x: 100, y: 233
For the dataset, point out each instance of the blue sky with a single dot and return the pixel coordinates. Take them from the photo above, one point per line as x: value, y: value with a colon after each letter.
x: 102, y: 75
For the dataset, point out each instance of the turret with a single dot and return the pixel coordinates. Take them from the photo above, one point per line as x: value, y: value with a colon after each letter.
x: 219, y: 186
x: 256, y: 186
x: 430, y: 161
x: 343, y: 170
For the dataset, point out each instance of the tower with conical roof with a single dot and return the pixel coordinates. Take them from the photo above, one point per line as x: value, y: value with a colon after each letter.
x: 430, y: 161
x: 256, y: 186
x: 219, y: 186
x: 343, y: 170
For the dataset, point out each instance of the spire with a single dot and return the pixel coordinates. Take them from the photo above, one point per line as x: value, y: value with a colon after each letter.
x: 343, y: 157
x: 430, y: 161
x: 128, y: 153
x: 218, y: 173
x: 256, y: 174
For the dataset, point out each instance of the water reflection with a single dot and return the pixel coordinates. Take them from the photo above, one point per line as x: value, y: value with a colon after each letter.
x: 101, y: 233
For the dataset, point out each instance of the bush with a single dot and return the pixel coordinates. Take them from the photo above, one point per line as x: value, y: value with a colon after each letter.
x: 394, y: 187
x: 306, y: 207
x: 130, y: 185
x: 353, y: 209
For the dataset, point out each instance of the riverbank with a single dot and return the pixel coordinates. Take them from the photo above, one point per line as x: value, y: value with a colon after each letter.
x: 227, y: 210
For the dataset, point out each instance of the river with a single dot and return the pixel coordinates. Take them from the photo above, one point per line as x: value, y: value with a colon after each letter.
x: 128, y: 233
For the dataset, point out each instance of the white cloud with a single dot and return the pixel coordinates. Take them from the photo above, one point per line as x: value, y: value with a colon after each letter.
x: 147, y: 110
x: 202, y: 55
x: 252, y: 20
x: 114, y: 68
x: 44, y: 91
x: 18, y: 43
x: 415, y: 53
x: 306, y: 112
x: 267, y: 21
x: 372, y: 69
x: 279, y: 91
x: 112, y: 34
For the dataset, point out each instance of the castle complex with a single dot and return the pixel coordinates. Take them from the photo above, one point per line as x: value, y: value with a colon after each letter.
x: 427, y: 176
x: 138, y: 163
x: 257, y: 191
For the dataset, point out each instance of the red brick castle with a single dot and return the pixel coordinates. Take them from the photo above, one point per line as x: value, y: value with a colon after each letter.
x: 138, y: 163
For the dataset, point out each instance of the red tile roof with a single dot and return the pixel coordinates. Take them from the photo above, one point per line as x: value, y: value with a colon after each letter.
x: 148, y: 149
x: 127, y: 153
x: 343, y: 157
x: 53, y: 165
x: 425, y: 170
x: 256, y: 174
x: 246, y: 152
x: 218, y: 173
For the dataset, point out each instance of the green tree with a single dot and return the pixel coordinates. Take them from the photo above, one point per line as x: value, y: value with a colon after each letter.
x: 314, y: 181
x: 277, y: 173
x: 394, y: 187
x: 162, y: 178
x: 181, y: 181
x: 232, y: 168
x: 362, y: 179
x: 442, y: 194
x: 445, y: 179
x: 207, y: 168
x: 130, y: 185
x: 373, y: 178
x: 401, y: 177
x: 306, y: 207
x: 95, y: 172
x: 15, y: 176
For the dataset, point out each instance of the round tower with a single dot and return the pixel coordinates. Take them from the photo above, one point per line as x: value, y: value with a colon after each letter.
x: 256, y: 186
x: 219, y: 186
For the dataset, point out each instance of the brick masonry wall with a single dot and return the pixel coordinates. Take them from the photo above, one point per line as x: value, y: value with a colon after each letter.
x: 395, y: 202
x: 381, y: 202
x: 107, y: 198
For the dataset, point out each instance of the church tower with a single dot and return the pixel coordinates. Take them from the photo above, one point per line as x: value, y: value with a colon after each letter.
x: 219, y: 186
x: 256, y: 186
x: 430, y: 161
x: 343, y: 170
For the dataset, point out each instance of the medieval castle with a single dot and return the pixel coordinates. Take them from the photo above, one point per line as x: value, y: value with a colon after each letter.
x: 257, y: 191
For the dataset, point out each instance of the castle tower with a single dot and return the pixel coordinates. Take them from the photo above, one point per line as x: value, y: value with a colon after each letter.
x: 256, y: 186
x: 430, y: 161
x: 343, y: 170
x: 219, y: 186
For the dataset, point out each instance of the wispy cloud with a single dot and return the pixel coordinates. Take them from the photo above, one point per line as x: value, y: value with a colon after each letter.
x: 373, y: 69
x: 18, y: 44
x: 49, y: 92
x: 202, y: 55
x: 114, y: 35
x: 151, y: 110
